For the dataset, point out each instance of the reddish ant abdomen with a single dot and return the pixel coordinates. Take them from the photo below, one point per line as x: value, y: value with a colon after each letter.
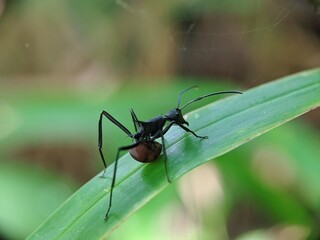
x: 146, y: 151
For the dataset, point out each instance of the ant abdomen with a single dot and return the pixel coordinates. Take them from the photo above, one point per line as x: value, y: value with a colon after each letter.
x: 146, y: 151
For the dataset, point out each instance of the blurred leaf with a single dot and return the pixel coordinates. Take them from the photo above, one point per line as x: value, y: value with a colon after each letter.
x: 29, y: 195
x: 277, y: 174
x: 228, y: 123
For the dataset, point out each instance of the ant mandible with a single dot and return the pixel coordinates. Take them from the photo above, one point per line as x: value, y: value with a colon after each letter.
x: 145, y: 149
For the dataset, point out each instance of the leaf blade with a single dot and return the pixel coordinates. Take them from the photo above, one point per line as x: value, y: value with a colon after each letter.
x: 228, y: 123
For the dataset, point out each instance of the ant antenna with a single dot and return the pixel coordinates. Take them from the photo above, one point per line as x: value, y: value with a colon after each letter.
x: 205, y: 96
x: 182, y: 92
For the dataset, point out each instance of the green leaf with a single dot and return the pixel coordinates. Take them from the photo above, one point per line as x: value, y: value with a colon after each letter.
x: 229, y: 123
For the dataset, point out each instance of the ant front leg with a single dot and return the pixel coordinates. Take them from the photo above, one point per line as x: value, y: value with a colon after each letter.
x: 115, y: 173
x: 189, y: 130
x: 118, y: 124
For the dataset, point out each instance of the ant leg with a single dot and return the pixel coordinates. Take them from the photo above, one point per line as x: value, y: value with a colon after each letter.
x: 165, y: 157
x: 118, y: 124
x: 161, y: 133
x: 137, y: 125
x: 167, y: 128
x: 188, y: 130
x: 183, y: 127
x: 115, y: 173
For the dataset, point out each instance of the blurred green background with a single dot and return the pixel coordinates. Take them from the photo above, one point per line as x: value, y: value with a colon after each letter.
x: 62, y: 62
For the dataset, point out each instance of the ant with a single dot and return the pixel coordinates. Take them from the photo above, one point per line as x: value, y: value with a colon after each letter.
x: 145, y: 149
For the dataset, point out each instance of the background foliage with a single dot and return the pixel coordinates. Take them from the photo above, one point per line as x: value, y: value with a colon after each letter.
x: 62, y: 62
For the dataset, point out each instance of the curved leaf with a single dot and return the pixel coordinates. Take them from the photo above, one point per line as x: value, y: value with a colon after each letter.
x: 229, y: 123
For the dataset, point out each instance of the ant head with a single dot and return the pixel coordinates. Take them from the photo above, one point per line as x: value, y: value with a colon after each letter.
x: 175, y: 115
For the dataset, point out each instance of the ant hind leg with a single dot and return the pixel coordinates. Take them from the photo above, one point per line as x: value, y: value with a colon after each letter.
x: 165, y: 158
x: 115, y: 173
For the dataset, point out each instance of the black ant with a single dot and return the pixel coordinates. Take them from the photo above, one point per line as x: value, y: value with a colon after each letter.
x: 145, y: 149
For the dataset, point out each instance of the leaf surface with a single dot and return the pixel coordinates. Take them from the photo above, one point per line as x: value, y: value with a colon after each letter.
x: 228, y: 123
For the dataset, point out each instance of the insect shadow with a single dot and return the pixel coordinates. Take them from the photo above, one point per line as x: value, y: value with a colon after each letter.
x: 144, y: 148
